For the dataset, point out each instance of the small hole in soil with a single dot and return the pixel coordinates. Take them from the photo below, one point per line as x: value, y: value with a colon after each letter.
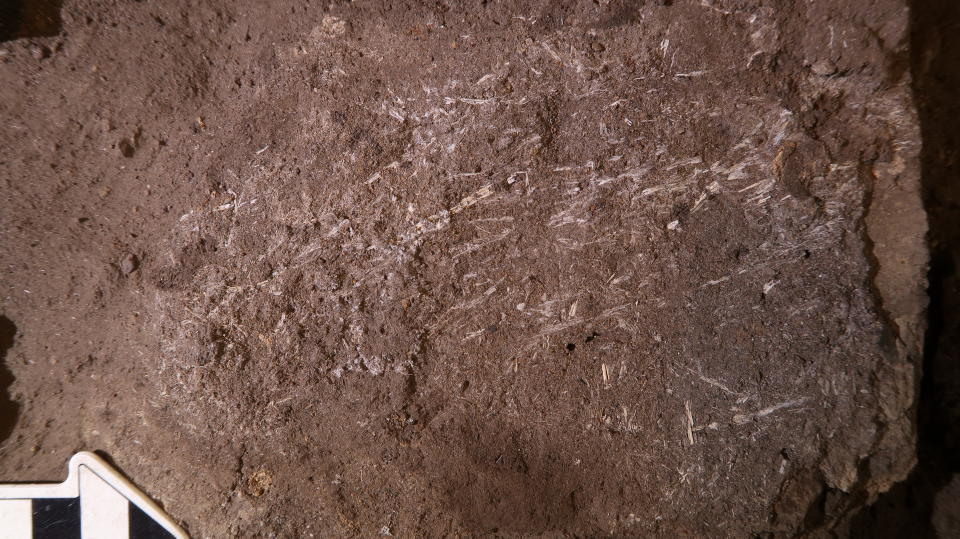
x: 571, y: 347
x: 591, y: 337
x: 127, y: 148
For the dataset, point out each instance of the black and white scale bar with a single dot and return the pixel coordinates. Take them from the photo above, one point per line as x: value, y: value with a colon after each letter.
x: 62, y: 518
x: 95, y: 502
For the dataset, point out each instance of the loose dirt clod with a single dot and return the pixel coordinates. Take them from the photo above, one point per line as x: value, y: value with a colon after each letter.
x: 259, y: 483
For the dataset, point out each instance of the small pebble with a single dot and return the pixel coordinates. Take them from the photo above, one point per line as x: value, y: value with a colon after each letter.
x: 597, y: 46
x: 39, y: 52
x: 824, y: 68
x: 129, y: 264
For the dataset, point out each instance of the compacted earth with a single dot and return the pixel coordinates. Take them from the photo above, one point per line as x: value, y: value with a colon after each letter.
x: 465, y: 268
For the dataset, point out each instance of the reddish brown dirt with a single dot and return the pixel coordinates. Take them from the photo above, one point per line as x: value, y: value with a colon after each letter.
x: 927, y: 504
x: 426, y: 269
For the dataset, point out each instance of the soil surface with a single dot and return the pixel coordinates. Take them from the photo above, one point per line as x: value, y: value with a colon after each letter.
x: 426, y: 269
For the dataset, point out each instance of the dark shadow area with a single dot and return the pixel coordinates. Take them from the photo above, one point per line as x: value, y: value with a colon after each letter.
x: 497, y: 482
x: 8, y: 408
x: 909, y: 508
x: 29, y: 18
